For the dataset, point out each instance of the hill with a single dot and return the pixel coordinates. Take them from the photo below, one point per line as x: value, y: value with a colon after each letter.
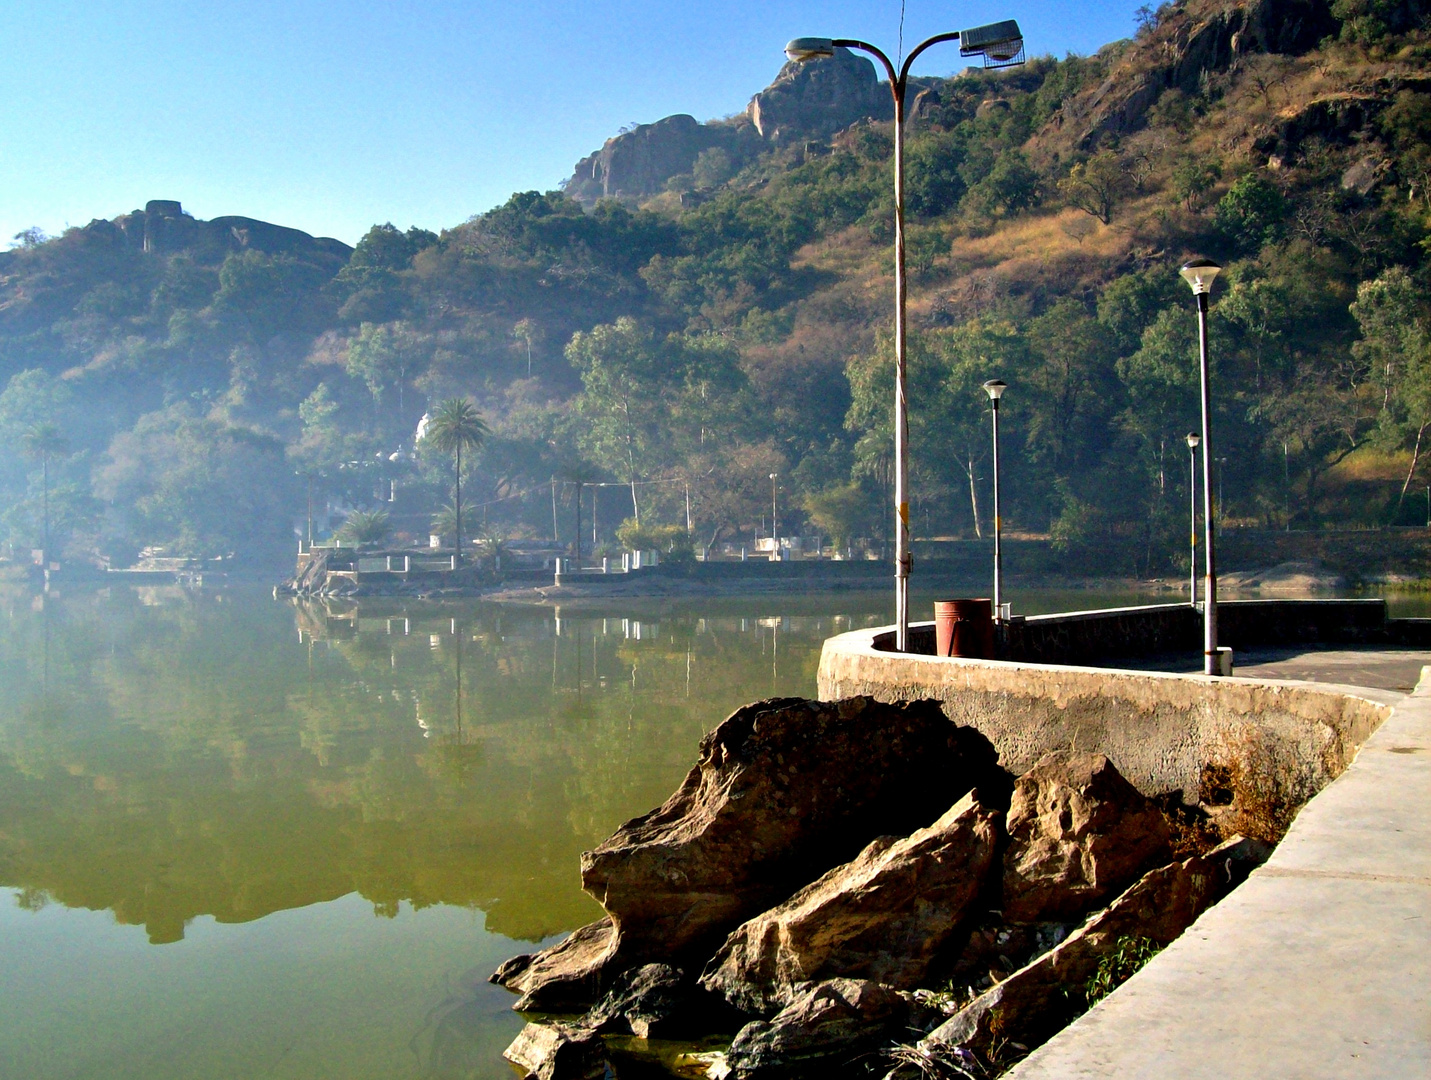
x: 707, y: 303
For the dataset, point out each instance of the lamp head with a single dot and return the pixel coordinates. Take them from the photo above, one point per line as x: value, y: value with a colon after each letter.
x: 774, y: 475
x: 1193, y: 439
x: 995, y: 388
x: 1199, y: 274
x: 804, y: 49
x: 1000, y: 44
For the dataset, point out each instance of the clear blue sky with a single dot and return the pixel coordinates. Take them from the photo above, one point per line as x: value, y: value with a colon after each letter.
x: 330, y: 116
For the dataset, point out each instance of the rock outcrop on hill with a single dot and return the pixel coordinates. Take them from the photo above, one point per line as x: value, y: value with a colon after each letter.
x: 163, y: 227
x: 806, y: 101
x: 1190, y: 41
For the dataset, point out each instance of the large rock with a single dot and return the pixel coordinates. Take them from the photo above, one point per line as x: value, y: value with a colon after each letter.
x: 1078, y: 833
x: 1040, y: 998
x: 823, y: 1030
x: 559, y: 1052
x: 657, y: 1001
x: 885, y: 916
x: 565, y: 978
x: 785, y: 789
x: 639, y: 162
x: 815, y: 100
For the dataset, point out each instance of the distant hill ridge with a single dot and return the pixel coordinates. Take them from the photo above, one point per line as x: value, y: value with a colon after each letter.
x: 163, y: 227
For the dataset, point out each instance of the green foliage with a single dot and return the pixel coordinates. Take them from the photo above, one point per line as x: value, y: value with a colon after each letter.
x: 841, y: 512
x: 644, y: 536
x: 365, y: 528
x: 1251, y: 213
x: 1117, y: 966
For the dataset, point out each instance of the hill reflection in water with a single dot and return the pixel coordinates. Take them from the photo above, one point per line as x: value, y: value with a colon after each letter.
x: 184, y: 760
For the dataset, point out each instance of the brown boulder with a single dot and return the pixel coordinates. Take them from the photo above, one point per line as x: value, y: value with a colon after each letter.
x: 1078, y: 833
x: 885, y: 916
x: 559, y: 1052
x: 784, y: 790
x: 1036, y: 1001
x: 564, y: 978
x: 822, y: 1030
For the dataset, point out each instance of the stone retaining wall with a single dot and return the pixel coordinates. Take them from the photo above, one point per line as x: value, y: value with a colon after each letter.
x: 1165, y: 732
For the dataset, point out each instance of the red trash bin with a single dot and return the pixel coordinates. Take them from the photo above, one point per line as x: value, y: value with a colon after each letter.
x: 964, y: 628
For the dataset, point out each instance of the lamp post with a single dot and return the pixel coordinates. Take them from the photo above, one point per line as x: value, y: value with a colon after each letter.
x: 774, y: 519
x: 1200, y: 274
x: 995, y: 389
x: 1192, y: 439
x: 1000, y: 44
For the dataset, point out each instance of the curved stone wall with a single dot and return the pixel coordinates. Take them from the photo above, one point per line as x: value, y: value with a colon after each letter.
x: 1165, y: 732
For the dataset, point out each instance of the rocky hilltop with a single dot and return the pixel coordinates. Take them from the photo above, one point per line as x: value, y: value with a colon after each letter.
x: 163, y: 228
x: 806, y: 101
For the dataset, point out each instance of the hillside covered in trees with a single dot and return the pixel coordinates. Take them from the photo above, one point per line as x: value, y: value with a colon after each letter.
x: 707, y: 304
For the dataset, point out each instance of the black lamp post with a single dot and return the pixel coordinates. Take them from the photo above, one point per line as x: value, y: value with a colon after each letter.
x: 995, y: 389
x: 1000, y: 44
x: 1192, y: 439
x: 1200, y: 274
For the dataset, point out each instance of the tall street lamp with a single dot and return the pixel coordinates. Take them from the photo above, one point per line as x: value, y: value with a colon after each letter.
x: 1000, y: 44
x: 995, y: 389
x: 774, y: 517
x: 1192, y: 439
x: 1200, y: 274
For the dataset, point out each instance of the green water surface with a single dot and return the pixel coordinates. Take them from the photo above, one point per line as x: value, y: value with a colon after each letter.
x: 243, y: 837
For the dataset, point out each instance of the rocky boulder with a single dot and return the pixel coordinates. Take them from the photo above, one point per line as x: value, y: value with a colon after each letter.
x: 815, y: 100
x: 657, y: 1001
x: 884, y: 916
x: 1040, y: 998
x: 564, y: 978
x: 1078, y: 833
x: 784, y: 790
x: 823, y: 1030
x: 559, y: 1052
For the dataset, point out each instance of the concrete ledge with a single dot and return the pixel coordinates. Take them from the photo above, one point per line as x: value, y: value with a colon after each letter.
x: 1165, y: 732
x: 1318, y: 967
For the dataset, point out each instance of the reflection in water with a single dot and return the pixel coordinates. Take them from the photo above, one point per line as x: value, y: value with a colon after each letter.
x: 186, y: 761
x: 251, y: 781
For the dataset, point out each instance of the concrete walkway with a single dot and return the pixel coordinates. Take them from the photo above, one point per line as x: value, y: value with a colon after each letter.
x: 1320, y: 965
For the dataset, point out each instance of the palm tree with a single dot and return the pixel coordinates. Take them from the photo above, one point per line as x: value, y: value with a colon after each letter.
x: 364, y: 528
x: 456, y: 426
x: 45, y: 441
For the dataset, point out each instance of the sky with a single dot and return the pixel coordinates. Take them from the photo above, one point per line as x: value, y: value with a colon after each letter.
x: 331, y: 116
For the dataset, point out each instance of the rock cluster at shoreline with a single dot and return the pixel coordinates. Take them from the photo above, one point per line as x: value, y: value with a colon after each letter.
x: 826, y: 865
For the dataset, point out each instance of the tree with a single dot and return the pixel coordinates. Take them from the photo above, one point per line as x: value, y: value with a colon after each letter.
x: 1395, y: 346
x: 1095, y: 186
x: 456, y: 426
x: 364, y: 528
x: 45, y: 441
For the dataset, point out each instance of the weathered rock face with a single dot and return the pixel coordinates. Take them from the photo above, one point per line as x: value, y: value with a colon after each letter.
x: 657, y: 1001
x: 1078, y: 833
x: 559, y: 1052
x: 805, y: 102
x: 784, y: 790
x: 885, y: 916
x: 564, y: 978
x: 815, y: 100
x: 823, y: 1029
x: 640, y: 161
x: 1034, y: 1003
x: 1196, y: 38
x: 163, y: 227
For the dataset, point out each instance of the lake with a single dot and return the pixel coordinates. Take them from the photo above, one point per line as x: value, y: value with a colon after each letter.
x: 244, y: 837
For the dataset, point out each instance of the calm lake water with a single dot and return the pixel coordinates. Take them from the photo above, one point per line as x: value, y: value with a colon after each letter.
x: 242, y: 837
